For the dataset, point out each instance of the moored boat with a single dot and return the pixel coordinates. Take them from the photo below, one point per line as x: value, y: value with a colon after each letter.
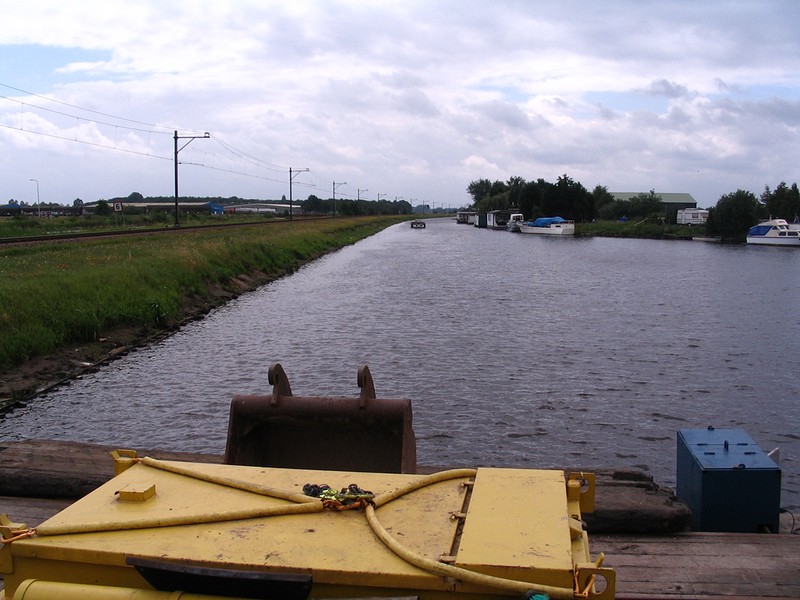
x: 466, y: 217
x: 514, y: 221
x: 548, y: 226
x: 497, y: 219
x: 774, y: 232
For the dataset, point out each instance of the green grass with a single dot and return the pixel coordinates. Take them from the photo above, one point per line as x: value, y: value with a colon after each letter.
x: 53, y: 294
x: 642, y: 229
x: 22, y: 226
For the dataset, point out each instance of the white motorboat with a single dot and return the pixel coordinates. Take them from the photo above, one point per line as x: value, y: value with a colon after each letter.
x: 513, y: 222
x: 548, y: 226
x: 775, y: 232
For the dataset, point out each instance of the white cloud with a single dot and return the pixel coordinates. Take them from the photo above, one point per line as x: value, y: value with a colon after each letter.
x: 410, y: 99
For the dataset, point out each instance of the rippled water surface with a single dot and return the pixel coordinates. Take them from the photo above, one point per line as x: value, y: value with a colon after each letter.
x: 514, y: 349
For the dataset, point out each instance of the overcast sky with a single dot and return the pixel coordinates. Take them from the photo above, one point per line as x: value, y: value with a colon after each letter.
x: 406, y: 99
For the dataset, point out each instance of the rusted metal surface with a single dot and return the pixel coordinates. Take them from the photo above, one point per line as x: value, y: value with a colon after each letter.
x: 319, y: 432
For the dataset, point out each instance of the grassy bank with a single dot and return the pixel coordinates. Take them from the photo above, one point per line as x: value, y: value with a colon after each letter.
x: 54, y: 294
x: 23, y: 226
x: 644, y: 229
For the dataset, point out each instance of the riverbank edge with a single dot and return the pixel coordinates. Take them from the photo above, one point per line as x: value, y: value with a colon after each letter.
x: 40, y: 374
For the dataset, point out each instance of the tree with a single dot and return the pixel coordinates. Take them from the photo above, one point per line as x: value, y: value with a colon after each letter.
x: 733, y: 215
x: 498, y: 187
x: 568, y: 199
x: 646, y: 205
x: 102, y: 209
x: 639, y: 206
x: 601, y: 197
x: 479, y: 189
x: 515, y: 187
x: 530, y: 198
x: 316, y: 205
x: 77, y: 203
x: 783, y: 203
x: 135, y: 197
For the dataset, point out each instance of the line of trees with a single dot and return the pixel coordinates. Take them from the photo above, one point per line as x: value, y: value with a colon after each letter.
x: 732, y: 216
x: 353, y: 208
x: 566, y: 198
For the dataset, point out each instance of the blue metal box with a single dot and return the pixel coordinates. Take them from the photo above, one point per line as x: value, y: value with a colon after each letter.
x: 727, y: 481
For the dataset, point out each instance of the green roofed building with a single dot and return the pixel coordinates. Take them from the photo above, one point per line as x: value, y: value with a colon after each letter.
x: 671, y: 201
x: 674, y: 200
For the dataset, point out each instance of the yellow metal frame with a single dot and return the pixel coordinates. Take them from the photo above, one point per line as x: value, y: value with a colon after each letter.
x: 485, y: 533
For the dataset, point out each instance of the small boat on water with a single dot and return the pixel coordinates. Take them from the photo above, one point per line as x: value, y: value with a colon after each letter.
x: 466, y: 217
x: 417, y: 224
x: 548, y: 226
x: 497, y: 219
x: 514, y: 222
x: 775, y: 232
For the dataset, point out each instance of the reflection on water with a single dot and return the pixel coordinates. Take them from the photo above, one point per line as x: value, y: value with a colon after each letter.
x: 515, y: 350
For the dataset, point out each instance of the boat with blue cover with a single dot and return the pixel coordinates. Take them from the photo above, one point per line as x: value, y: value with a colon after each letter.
x: 548, y: 226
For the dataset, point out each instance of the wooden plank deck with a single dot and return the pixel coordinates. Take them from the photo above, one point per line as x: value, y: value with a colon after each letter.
x: 703, y: 565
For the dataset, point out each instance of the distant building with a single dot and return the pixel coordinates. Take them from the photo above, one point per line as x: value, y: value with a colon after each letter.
x: 264, y: 207
x: 675, y: 200
x: 671, y: 201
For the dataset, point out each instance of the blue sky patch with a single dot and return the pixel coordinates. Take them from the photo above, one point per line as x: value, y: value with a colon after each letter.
x: 35, y: 68
x: 509, y: 93
x: 628, y: 101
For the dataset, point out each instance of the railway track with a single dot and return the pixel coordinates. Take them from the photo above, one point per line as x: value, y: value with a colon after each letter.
x: 77, y: 236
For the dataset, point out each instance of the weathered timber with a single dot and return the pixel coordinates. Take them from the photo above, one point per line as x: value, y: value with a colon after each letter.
x: 703, y: 565
x: 625, y: 501
x: 629, y: 501
x: 32, y: 511
x: 62, y: 469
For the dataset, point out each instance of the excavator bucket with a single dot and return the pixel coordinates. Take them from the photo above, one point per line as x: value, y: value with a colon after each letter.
x: 361, y: 434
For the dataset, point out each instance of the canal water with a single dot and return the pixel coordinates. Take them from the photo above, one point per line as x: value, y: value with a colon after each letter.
x: 516, y: 350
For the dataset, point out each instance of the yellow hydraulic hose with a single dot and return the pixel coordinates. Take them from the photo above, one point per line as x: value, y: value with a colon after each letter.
x: 193, y: 519
x: 445, y: 570
x: 386, y: 497
x: 229, y: 482
x: 302, y: 504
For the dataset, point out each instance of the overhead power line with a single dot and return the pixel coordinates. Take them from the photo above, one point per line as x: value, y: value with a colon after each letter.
x: 141, y: 127
x: 88, y: 110
x: 81, y: 118
x: 86, y: 142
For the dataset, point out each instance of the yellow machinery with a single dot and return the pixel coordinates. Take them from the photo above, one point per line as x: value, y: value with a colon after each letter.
x: 318, y: 499
x: 165, y: 529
